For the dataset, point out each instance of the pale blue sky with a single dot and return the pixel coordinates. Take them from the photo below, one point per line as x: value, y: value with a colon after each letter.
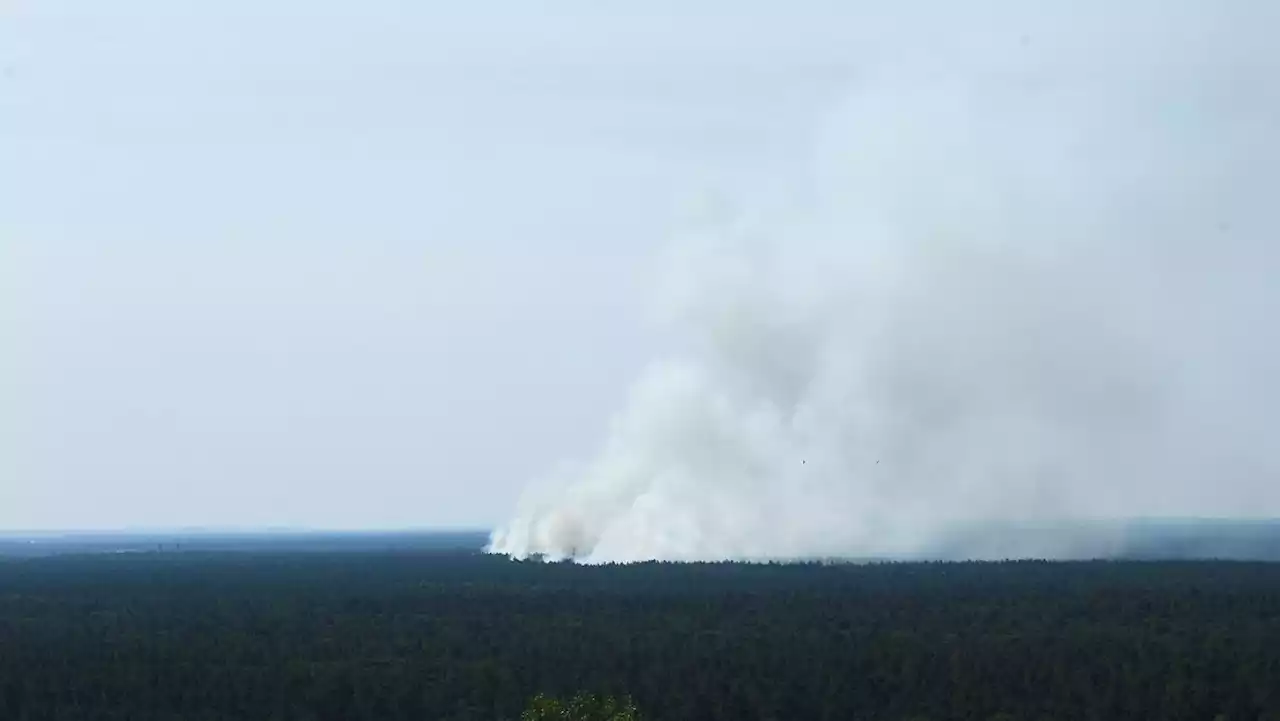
x: 333, y: 263
x: 351, y: 263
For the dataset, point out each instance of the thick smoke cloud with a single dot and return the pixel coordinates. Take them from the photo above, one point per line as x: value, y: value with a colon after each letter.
x: 1027, y: 279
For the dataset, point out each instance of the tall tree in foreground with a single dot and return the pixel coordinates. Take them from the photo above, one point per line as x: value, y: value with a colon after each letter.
x: 582, y: 707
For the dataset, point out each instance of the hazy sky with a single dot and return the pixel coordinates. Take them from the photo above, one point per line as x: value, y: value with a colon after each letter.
x: 351, y: 263
x: 377, y: 264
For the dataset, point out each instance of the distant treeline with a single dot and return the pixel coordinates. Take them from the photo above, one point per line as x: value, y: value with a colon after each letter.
x: 422, y: 635
x: 1133, y: 539
x: 33, y: 544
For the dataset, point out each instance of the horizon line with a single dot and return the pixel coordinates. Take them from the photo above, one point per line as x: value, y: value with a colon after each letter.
x: 239, y: 530
x: 469, y: 528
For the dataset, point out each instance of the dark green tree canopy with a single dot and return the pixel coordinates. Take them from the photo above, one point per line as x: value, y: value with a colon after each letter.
x: 416, y: 636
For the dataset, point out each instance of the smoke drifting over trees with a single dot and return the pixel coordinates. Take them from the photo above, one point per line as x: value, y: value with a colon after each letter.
x: 1026, y: 278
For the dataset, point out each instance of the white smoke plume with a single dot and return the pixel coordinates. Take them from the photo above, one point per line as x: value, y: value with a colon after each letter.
x: 1028, y: 278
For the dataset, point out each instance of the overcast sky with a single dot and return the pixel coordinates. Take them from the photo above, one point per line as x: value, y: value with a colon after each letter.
x: 377, y: 263
x: 331, y: 263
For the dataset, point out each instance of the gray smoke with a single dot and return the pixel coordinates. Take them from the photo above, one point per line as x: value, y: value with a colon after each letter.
x: 1028, y: 278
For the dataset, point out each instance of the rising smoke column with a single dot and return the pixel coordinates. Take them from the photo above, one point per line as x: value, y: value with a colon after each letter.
x: 1025, y: 282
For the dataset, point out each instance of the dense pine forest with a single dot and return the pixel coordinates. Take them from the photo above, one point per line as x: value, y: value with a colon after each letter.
x: 448, y: 634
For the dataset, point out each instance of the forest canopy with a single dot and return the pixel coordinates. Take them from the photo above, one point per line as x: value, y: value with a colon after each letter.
x: 415, y: 635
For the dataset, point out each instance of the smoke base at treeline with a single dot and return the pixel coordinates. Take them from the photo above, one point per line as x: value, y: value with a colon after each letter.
x: 1018, y: 282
